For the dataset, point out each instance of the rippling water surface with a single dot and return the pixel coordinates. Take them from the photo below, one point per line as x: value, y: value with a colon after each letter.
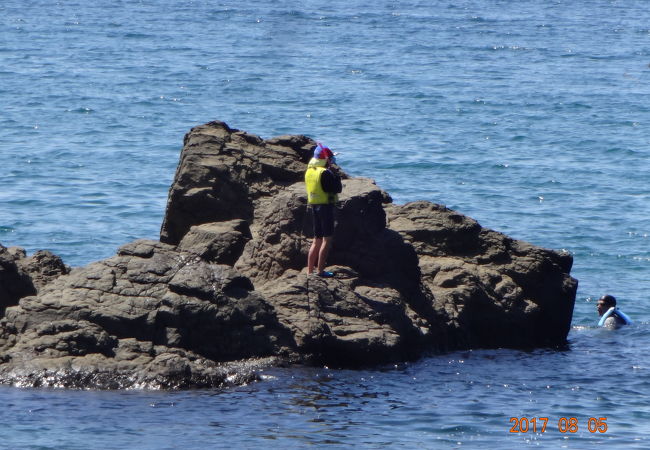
x: 460, y: 399
x: 531, y: 117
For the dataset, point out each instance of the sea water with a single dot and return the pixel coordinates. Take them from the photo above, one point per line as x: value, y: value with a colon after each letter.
x: 530, y: 116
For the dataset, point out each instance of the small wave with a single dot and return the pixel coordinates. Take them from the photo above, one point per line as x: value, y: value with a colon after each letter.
x: 604, y: 57
x: 508, y: 47
x: 26, y: 202
x: 137, y: 36
x: 81, y: 110
x: 571, y: 106
x: 162, y: 404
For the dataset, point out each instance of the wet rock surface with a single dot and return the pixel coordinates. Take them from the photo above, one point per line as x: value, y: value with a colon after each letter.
x: 224, y: 293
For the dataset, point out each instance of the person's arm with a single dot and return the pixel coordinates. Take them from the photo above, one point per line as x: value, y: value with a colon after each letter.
x: 330, y: 182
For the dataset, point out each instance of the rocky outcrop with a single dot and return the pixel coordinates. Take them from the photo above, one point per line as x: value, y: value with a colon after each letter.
x: 170, y: 311
x: 224, y: 292
x: 223, y: 173
x: 495, y: 291
x: 21, y: 276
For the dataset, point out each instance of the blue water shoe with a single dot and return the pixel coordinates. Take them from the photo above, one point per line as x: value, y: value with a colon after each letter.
x: 326, y: 274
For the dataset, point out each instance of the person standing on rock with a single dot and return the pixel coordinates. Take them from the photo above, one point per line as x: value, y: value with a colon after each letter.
x: 322, y: 185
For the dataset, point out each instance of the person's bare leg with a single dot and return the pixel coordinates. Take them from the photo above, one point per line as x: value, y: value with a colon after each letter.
x: 324, y: 251
x: 312, y: 257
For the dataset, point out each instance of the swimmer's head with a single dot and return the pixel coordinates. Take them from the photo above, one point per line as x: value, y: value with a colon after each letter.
x: 604, y: 303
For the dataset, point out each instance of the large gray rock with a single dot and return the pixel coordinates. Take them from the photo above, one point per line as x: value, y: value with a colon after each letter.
x: 149, y: 303
x: 495, y: 291
x: 225, y: 291
x: 223, y: 172
x: 351, y: 320
x: 219, y: 242
x: 21, y: 276
x: 375, y: 310
x: 476, y: 287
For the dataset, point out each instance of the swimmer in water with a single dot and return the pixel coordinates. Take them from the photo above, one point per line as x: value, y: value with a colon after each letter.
x: 611, y: 316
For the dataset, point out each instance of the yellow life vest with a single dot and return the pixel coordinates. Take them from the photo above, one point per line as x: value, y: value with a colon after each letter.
x: 315, y: 193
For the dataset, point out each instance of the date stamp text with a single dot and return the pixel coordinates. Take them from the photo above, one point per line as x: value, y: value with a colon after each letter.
x: 564, y: 424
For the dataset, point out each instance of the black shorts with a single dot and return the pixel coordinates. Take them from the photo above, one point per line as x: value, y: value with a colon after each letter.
x: 323, y: 220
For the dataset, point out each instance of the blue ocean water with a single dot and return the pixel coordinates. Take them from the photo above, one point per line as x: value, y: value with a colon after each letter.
x: 532, y: 117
